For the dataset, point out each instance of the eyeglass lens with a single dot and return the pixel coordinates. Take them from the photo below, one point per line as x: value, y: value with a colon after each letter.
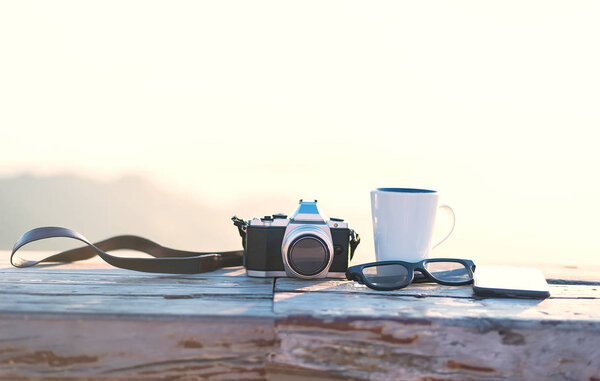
x: 448, y: 271
x: 390, y: 275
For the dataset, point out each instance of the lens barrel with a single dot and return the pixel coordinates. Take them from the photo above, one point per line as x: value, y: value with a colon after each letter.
x: 308, y: 255
x: 307, y: 250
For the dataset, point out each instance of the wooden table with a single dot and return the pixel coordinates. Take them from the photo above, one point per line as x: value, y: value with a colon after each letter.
x: 90, y: 321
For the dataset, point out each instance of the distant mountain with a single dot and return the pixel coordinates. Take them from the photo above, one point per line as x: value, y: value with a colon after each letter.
x: 98, y: 210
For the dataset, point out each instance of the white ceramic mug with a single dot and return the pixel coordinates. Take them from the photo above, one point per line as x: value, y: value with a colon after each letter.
x: 403, y: 221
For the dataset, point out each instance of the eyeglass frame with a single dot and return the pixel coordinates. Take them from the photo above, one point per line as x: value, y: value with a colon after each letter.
x: 356, y: 272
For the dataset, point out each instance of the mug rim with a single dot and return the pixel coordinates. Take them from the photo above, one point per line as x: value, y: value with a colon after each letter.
x: 405, y: 190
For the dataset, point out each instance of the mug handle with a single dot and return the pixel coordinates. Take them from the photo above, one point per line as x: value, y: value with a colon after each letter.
x: 447, y: 207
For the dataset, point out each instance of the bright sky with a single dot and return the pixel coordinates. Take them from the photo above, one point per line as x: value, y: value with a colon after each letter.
x: 494, y: 104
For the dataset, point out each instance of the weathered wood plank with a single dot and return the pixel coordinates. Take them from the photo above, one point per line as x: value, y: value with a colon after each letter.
x: 362, y: 335
x: 82, y: 268
x: 558, y: 313
x: 77, y: 283
x: 419, y: 289
x: 44, y: 347
x: 91, y: 321
x: 167, y: 291
x: 118, y: 305
x: 119, y: 292
x: 341, y: 329
x: 419, y: 349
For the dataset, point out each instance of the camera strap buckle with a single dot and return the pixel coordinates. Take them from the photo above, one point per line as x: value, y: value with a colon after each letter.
x: 354, y: 241
x: 242, y: 226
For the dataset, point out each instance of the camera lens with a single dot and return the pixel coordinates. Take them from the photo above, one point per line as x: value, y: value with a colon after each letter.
x: 308, y: 255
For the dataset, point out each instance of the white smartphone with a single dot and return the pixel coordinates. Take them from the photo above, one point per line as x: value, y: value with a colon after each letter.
x: 510, y: 282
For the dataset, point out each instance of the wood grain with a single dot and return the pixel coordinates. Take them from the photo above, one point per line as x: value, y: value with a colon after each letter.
x: 420, y: 289
x: 558, y: 313
x: 430, y: 332
x: 131, y: 349
x: 41, y: 290
x: 418, y: 349
x: 78, y: 282
x: 88, y: 321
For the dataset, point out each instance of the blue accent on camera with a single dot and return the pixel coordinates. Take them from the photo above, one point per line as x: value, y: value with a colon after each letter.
x: 309, y: 208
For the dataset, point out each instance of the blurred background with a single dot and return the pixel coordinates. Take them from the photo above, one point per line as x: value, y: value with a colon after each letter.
x: 166, y: 118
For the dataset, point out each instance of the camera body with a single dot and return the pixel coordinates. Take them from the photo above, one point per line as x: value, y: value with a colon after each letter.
x: 305, y: 245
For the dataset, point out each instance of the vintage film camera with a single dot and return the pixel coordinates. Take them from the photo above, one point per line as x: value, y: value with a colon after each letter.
x: 303, y: 246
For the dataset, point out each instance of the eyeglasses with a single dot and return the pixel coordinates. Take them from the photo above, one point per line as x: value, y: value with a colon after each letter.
x: 393, y: 275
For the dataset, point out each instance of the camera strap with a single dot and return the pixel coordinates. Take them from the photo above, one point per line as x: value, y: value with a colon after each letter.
x: 166, y: 260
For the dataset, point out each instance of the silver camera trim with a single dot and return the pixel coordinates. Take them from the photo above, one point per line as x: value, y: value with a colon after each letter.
x: 279, y: 222
x: 278, y: 274
x: 283, y: 222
